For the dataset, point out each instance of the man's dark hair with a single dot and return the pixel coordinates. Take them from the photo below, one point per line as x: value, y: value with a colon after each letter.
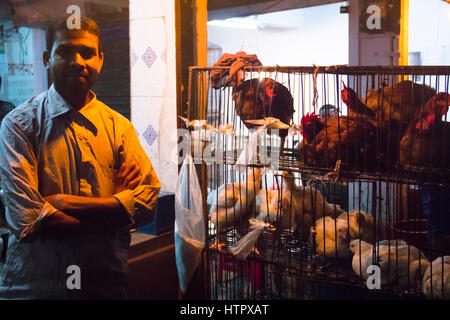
x: 60, y: 25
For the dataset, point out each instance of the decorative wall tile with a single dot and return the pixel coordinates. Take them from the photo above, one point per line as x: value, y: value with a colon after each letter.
x: 149, y: 57
x: 133, y: 58
x: 150, y: 135
x: 148, y: 41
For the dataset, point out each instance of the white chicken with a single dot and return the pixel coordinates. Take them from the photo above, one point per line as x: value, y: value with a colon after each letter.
x: 332, y: 237
x: 298, y: 208
x: 396, y: 260
x: 269, y: 208
x: 361, y: 225
x: 436, y: 280
x: 233, y: 202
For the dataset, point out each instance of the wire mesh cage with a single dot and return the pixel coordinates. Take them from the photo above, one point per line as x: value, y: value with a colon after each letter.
x: 324, y: 182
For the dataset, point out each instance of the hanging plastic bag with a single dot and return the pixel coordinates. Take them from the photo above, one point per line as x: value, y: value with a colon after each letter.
x: 242, y: 248
x: 250, y: 149
x: 247, y: 155
x: 189, y: 223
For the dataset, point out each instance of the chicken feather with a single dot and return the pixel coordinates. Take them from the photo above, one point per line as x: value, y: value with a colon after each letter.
x: 395, y: 258
x: 234, y: 202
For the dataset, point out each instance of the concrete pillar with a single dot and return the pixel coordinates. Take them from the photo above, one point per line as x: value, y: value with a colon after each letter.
x: 386, y: 49
x: 153, y: 83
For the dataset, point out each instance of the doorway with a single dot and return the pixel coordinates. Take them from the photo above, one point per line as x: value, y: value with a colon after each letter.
x: 314, y: 35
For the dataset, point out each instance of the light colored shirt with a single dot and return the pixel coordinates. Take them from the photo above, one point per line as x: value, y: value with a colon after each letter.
x: 47, y: 147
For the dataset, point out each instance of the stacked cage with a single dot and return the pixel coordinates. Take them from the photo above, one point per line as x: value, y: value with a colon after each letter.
x: 324, y: 182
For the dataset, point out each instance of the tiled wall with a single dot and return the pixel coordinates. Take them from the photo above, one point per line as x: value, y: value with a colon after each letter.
x: 153, y: 83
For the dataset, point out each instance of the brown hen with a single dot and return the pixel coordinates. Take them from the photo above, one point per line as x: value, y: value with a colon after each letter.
x: 401, y: 102
x: 259, y: 99
x: 351, y: 140
x: 426, y: 142
x: 391, y: 110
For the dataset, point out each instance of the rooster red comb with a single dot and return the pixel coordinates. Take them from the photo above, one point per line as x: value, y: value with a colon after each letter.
x: 309, y: 118
x: 269, y: 89
x: 436, y: 106
x: 345, y: 93
x: 311, y: 124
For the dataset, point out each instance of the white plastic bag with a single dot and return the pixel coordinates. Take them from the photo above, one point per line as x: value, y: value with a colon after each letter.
x: 250, y: 150
x: 242, y: 248
x: 189, y: 223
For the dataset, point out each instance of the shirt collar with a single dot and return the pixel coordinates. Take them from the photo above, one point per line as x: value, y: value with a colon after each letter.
x: 58, y: 106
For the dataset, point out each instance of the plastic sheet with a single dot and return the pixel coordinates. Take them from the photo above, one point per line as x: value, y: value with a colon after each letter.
x: 242, y: 248
x: 189, y: 223
x: 250, y: 149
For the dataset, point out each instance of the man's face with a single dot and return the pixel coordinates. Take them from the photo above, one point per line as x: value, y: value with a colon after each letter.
x: 74, y: 62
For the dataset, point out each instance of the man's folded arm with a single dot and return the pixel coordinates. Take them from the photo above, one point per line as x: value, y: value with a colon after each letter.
x: 139, y: 203
x: 105, y: 212
x: 133, y: 206
x: 68, y: 215
x: 27, y: 209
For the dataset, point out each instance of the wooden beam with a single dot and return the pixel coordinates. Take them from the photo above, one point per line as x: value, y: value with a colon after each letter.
x: 404, y: 33
x: 226, y: 4
x: 191, y: 45
x: 184, y: 20
x: 201, y: 33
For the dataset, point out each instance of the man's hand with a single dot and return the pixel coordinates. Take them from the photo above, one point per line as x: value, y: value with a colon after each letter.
x: 99, y: 210
x: 128, y: 177
x: 105, y: 211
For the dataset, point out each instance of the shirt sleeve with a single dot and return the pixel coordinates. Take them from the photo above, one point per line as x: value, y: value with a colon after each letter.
x: 26, y: 209
x: 140, y: 203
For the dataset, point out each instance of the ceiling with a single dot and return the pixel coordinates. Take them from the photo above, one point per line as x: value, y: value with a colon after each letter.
x: 224, y: 9
x: 39, y: 12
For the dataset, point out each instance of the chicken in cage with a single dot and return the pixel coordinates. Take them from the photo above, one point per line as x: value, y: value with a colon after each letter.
x: 354, y: 201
